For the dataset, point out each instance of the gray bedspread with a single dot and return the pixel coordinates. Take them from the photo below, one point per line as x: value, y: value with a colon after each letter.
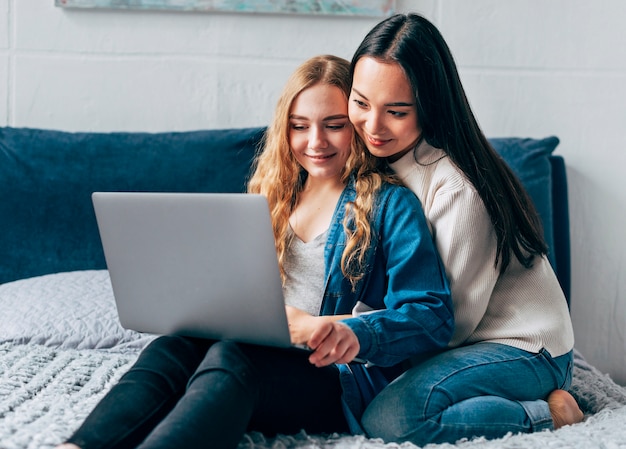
x: 61, y: 349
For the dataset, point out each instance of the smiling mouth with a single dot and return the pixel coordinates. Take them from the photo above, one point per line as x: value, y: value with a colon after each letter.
x: 320, y: 157
x: 377, y: 142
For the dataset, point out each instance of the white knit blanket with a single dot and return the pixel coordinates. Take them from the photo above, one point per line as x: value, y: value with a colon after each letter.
x: 45, y: 393
x: 55, y: 365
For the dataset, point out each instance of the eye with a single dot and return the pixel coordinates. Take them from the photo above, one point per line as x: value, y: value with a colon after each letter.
x: 359, y: 103
x: 336, y: 127
x: 398, y: 114
x: 298, y: 127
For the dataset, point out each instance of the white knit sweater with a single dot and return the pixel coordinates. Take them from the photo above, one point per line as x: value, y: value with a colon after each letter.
x: 525, y: 308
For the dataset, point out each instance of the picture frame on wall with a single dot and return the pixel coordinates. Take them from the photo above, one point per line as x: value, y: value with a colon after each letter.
x: 376, y: 8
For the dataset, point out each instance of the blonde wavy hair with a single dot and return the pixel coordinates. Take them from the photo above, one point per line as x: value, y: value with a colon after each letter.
x: 280, y: 178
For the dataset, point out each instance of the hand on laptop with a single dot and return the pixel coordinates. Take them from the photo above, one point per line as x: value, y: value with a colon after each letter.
x: 330, y: 340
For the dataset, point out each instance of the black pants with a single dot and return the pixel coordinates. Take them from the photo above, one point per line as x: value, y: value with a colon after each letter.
x: 195, y: 393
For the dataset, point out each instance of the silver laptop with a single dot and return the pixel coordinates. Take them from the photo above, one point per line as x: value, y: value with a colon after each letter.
x: 195, y: 264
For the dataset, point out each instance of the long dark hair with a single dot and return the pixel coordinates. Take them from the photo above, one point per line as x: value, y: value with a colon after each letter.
x: 448, y: 123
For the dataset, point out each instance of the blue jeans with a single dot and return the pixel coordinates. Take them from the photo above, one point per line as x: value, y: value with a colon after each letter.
x: 196, y: 393
x: 484, y: 389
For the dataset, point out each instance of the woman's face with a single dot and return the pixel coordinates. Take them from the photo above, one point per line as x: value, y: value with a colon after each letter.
x: 382, y: 108
x: 320, y: 133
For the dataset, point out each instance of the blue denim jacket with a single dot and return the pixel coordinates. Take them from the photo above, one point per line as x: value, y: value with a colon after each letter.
x: 404, y: 293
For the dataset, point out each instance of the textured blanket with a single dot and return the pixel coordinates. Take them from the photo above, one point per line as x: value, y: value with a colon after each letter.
x: 46, y: 392
x: 62, y: 348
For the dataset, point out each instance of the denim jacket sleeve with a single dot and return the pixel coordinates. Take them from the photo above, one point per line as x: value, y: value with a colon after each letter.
x: 405, y: 289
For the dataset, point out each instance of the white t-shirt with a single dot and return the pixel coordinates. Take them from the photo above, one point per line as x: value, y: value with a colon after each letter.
x: 304, y: 267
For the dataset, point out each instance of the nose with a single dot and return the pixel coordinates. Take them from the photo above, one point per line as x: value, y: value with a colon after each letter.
x: 317, y: 138
x: 374, y: 123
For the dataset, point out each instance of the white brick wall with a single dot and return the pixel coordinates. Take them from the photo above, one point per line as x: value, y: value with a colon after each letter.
x: 530, y: 67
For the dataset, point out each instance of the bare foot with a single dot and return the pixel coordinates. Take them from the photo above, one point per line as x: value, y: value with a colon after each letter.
x: 67, y: 446
x: 564, y: 409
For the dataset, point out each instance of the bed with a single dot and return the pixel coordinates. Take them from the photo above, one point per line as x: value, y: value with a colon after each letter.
x: 61, y: 345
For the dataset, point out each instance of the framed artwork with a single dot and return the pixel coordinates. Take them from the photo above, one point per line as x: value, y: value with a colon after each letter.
x: 377, y: 8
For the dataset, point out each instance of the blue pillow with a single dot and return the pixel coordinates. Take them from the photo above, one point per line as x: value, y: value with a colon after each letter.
x: 530, y: 161
x: 47, y: 223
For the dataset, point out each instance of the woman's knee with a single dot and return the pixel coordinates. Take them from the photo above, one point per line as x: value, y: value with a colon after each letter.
x: 178, y: 345
x: 228, y: 358
x: 168, y: 362
x: 400, y: 408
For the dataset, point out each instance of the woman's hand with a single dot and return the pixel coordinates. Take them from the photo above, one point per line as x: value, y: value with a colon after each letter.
x: 330, y: 340
x: 301, y: 325
x: 333, y: 342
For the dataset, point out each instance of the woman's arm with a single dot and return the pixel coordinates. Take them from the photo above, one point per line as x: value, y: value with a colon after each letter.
x: 413, y: 309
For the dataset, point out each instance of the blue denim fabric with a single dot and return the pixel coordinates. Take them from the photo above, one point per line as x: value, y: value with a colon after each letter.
x: 484, y: 389
x: 404, y: 283
x: 404, y: 286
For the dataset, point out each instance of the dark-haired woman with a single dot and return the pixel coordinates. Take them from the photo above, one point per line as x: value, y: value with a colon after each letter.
x: 509, y: 363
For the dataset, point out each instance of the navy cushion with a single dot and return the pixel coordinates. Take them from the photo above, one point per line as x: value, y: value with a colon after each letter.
x: 47, y: 223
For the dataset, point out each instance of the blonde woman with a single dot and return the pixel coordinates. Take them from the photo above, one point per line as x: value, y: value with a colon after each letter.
x: 348, y: 245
